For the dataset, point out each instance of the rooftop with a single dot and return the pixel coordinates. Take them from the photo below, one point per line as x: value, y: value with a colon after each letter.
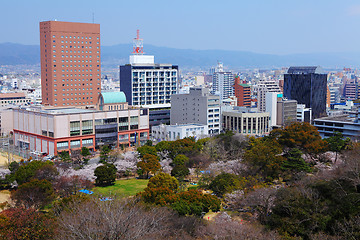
x: 305, y: 70
x: 113, y: 97
x: 56, y: 111
x: 12, y: 95
x: 340, y: 118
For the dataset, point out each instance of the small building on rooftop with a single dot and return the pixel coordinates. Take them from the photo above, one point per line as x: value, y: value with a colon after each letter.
x: 111, y: 101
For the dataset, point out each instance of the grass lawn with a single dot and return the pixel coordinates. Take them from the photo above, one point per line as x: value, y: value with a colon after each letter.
x: 126, y: 187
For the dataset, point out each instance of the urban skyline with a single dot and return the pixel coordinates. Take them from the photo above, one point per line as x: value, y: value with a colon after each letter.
x: 263, y: 27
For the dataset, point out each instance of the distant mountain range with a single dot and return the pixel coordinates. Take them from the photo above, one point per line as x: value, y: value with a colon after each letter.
x: 112, y: 56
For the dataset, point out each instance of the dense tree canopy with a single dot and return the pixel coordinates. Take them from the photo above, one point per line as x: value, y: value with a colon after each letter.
x: 23, y: 224
x: 264, y: 157
x: 36, y: 194
x: 28, y: 170
x: 105, y: 175
x: 146, y: 149
x: 148, y: 164
x: 224, y: 183
x: 300, y: 135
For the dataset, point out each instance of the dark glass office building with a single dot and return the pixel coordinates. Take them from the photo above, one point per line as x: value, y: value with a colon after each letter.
x: 307, y: 85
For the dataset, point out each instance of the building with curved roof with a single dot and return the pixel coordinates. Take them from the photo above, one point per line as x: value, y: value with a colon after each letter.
x: 112, y: 101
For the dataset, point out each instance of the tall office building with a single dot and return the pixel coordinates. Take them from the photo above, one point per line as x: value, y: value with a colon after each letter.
x: 307, y: 85
x: 70, y: 63
x: 148, y: 84
x: 264, y: 87
x: 242, y: 92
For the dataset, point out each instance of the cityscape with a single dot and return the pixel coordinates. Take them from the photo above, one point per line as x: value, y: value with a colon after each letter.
x: 141, y: 141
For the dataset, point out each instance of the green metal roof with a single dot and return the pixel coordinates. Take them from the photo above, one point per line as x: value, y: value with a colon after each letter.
x: 113, y: 97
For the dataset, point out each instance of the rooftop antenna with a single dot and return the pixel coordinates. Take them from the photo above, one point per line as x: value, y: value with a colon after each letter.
x: 138, y: 44
x: 93, y: 17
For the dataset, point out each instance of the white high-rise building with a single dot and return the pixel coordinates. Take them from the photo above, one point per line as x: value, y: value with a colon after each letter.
x: 262, y: 88
x: 148, y: 84
x: 222, y: 82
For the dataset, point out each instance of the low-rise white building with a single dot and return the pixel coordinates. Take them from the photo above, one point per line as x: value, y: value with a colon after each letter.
x: 175, y: 132
x: 246, y: 121
x: 303, y: 114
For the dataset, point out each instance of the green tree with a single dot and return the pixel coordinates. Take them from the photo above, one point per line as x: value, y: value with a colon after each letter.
x: 149, y: 143
x: 104, y: 153
x: 146, y: 150
x: 14, y: 166
x: 264, y: 157
x: 36, y: 193
x: 224, y: 183
x: 337, y: 143
x: 148, y: 164
x: 23, y: 224
x: 105, y: 175
x: 300, y: 135
x: 163, y: 180
x: 194, y: 202
x: 29, y: 170
x: 64, y: 156
x: 294, y: 162
x: 180, y: 171
x: 180, y: 159
x: 163, y: 146
x: 85, y: 152
x: 160, y: 189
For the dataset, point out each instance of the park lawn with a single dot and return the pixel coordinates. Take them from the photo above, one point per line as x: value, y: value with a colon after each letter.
x: 125, y: 187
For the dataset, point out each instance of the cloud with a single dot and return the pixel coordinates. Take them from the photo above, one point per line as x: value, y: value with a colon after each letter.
x: 354, y: 10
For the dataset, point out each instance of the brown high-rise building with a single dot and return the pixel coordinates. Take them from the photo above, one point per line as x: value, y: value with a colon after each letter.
x: 70, y: 63
x: 242, y: 92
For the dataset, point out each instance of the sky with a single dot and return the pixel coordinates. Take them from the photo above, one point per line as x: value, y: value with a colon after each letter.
x: 262, y: 26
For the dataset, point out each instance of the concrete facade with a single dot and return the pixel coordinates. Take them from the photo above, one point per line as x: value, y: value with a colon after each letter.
x: 262, y: 88
x: 52, y: 130
x: 18, y: 98
x: 303, y: 114
x: 196, y: 107
x: 175, y: 132
x: 246, y: 123
x: 348, y: 126
x: 6, y: 121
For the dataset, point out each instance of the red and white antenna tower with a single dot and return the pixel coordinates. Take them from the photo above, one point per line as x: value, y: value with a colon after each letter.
x: 138, y: 44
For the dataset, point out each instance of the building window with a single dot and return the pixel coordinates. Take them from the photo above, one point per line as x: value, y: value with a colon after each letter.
x: 134, y: 122
x: 87, y: 127
x: 75, y: 128
x: 124, y: 138
x: 87, y: 142
x: 62, y: 145
x: 75, y: 143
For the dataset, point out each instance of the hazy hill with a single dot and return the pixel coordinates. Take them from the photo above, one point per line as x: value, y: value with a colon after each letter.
x: 14, y: 54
